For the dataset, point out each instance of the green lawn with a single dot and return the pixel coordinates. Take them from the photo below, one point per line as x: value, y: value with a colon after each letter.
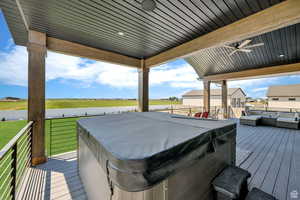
x: 65, y: 128
x: 8, y: 130
x: 80, y: 103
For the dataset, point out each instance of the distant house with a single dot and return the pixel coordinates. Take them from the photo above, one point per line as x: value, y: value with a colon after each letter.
x: 284, y: 96
x: 10, y: 99
x: 236, y: 97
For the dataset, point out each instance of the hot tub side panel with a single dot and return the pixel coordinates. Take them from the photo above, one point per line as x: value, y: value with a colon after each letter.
x: 94, y: 179
x: 191, y: 183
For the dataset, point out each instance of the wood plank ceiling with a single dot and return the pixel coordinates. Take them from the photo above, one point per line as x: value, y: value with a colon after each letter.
x: 123, y: 27
x: 98, y: 23
x: 281, y: 47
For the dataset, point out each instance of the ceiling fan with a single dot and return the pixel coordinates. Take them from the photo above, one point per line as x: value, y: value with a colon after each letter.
x: 243, y: 47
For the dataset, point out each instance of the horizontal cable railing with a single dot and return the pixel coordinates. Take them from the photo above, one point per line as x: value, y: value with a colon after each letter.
x: 61, y: 134
x: 273, y: 109
x: 189, y: 111
x: 15, y: 159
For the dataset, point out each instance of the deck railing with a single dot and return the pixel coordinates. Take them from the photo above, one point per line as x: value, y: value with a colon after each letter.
x: 15, y: 158
x: 61, y: 137
x: 61, y: 134
x: 273, y: 109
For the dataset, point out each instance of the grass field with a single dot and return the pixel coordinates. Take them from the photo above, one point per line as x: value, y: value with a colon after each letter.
x: 80, y: 103
x: 9, y: 129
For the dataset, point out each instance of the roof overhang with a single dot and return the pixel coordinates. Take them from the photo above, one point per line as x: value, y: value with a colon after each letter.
x: 280, y: 70
x: 90, y: 29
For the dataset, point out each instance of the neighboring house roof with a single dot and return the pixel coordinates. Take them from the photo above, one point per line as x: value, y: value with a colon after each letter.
x: 284, y: 91
x: 213, y: 92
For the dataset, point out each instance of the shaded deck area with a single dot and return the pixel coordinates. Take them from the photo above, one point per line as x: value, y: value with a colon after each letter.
x: 275, y: 159
x: 274, y: 162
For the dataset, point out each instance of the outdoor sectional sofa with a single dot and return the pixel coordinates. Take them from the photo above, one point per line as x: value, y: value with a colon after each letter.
x: 282, y: 119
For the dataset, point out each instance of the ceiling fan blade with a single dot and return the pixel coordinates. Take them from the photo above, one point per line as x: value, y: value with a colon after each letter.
x: 245, y: 50
x: 244, y: 43
x: 255, y: 45
x: 233, y: 52
x: 230, y: 47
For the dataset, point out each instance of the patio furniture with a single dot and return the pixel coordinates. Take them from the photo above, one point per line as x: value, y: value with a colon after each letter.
x: 269, y: 120
x: 205, y: 115
x: 257, y: 194
x: 252, y: 120
x: 288, y: 120
x: 231, y: 184
x: 152, y: 154
x: 198, y: 114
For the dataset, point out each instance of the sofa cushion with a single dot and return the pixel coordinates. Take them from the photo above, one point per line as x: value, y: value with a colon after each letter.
x: 251, y: 117
x: 286, y: 115
x: 289, y: 120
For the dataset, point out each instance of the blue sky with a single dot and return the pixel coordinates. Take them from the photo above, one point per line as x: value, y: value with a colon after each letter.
x: 73, y: 77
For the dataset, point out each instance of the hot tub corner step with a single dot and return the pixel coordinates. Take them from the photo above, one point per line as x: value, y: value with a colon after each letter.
x: 231, y: 183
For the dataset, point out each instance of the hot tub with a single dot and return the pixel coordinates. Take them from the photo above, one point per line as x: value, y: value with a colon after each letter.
x: 152, y: 156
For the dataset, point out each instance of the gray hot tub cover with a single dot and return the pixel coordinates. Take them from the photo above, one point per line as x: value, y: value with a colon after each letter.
x: 139, y: 150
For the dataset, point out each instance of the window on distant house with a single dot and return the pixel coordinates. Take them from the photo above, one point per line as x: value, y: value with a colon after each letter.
x: 233, y: 102
x: 292, y: 99
x: 275, y: 99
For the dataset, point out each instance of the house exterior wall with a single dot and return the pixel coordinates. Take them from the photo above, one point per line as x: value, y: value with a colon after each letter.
x: 283, y: 102
x: 237, y: 99
x: 198, y: 101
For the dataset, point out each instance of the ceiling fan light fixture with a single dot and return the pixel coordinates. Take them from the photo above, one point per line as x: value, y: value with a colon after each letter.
x: 148, y: 5
x: 121, y: 33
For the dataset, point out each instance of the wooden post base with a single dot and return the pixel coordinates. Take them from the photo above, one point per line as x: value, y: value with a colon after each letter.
x: 38, y: 160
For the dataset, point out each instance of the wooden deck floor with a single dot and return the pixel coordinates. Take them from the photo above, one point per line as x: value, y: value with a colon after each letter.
x: 275, y: 161
x: 274, y: 164
x: 57, y: 179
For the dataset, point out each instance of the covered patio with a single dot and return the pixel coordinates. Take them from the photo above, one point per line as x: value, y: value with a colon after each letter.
x: 273, y: 161
x: 212, y: 36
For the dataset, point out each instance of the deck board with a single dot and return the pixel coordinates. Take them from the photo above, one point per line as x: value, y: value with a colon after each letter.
x: 274, y: 164
x: 57, y: 179
x: 275, y: 161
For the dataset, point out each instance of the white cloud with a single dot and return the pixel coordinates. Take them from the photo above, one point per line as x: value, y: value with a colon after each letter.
x: 13, y: 66
x: 252, y: 82
x: 262, y: 89
x: 179, y: 77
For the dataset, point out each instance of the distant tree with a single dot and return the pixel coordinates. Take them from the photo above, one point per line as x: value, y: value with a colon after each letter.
x: 3, y: 119
x: 173, y: 98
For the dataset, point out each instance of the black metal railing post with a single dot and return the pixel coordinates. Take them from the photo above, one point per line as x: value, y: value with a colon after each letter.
x: 14, y: 171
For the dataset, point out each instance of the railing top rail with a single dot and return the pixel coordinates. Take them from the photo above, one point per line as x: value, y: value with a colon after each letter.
x: 14, y: 140
x: 74, y: 116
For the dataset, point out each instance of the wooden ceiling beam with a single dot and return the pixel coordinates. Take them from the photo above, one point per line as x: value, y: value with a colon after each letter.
x: 75, y: 49
x: 275, y: 17
x: 256, y: 73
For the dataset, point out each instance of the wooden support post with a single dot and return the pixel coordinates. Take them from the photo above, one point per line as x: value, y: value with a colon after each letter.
x: 36, y: 94
x: 143, y: 89
x: 224, y: 99
x: 206, y: 96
